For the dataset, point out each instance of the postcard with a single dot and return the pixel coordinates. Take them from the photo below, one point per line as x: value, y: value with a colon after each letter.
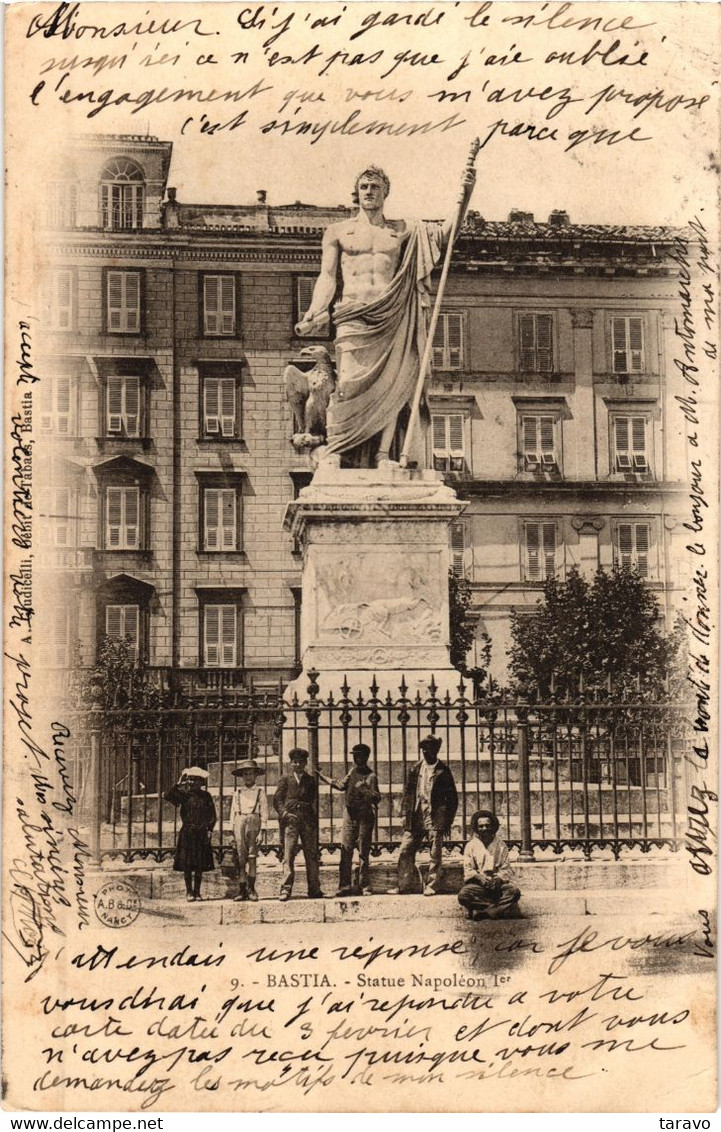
x: 361, y: 571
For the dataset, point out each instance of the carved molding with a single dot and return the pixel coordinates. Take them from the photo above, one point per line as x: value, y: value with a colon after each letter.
x: 587, y: 525
x: 377, y: 658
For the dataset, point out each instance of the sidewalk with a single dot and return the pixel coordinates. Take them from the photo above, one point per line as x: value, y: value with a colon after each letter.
x: 571, y: 888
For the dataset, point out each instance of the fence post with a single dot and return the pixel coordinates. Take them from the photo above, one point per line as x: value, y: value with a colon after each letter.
x: 94, y: 784
x: 524, y: 772
x: 312, y: 714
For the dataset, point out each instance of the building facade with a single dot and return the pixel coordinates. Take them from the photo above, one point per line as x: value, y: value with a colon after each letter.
x: 168, y: 459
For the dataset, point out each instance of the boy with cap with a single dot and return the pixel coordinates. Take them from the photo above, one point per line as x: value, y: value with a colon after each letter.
x: 361, y: 803
x: 193, y: 854
x: 296, y: 804
x: 488, y: 888
x: 429, y: 805
x: 248, y: 816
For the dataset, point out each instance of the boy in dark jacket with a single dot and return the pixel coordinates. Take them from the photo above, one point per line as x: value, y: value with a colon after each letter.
x: 430, y: 801
x: 193, y: 854
x: 296, y: 804
x: 361, y: 803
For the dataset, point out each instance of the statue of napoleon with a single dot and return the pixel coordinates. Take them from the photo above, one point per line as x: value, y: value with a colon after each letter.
x: 381, y: 314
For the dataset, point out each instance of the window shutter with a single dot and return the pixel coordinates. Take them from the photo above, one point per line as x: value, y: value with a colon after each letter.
x: 635, y: 344
x: 212, y: 519
x: 228, y: 501
x: 132, y: 300
x: 642, y: 548
x: 530, y: 443
x: 533, y: 562
x: 132, y: 406
x: 304, y: 294
x: 227, y: 406
x: 527, y: 342
x: 60, y: 636
x: 546, y: 431
x: 131, y: 626
x: 454, y: 327
x: 455, y: 434
x: 439, y: 341
x: 458, y: 547
x: 625, y: 544
x: 114, y: 622
x: 63, y: 300
x: 62, y: 405
x: 439, y: 434
x: 622, y: 436
x: 114, y: 505
x: 61, y: 511
x: 211, y: 394
x: 115, y: 404
x: 549, y: 549
x: 638, y: 435
x: 227, y: 304
x: 544, y: 343
x: 211, y: 304
x: 131, y: 497
x: 211, y: 629
x: 618, y: 345
x: 228, y: 635
x: 115, y: 300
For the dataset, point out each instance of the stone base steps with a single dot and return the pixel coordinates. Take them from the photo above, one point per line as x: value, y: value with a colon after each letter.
x: 565, y: 877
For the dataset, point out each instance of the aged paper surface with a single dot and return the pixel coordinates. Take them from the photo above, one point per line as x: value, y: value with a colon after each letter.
x: 135, y: 273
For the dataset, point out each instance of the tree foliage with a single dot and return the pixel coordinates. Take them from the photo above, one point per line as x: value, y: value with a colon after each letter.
x: 603, y: 634
x: 463, y: 632
x: 115, y: 681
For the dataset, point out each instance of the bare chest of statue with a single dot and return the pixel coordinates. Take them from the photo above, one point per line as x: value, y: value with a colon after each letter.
x: 369, y: 258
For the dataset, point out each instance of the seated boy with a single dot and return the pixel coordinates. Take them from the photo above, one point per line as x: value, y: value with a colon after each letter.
x: 487, y: 889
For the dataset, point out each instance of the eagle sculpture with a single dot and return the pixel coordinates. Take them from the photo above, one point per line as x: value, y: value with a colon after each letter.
x: 308, y: 393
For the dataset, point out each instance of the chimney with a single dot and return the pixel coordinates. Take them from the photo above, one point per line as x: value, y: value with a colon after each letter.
x: 559, y: 218
x: 516, y: 216
x: 170, y: 211
x: 261, y: 196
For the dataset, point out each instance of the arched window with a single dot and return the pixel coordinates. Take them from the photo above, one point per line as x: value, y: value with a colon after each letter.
x: 121, y: 194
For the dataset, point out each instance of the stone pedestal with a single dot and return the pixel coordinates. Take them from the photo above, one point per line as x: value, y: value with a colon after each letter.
x: 375, y: 579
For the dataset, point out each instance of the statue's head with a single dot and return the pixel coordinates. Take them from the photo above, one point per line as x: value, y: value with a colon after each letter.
x: 372, y: 173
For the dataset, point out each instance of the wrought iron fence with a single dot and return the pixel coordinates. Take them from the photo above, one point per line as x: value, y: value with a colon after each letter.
x: 583, y: 775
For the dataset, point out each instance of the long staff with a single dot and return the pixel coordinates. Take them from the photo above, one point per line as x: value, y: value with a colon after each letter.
x: 425, y: 362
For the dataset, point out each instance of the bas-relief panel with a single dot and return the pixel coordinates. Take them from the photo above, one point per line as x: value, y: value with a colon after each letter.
x: 350, y: 606
x: 388, y: 532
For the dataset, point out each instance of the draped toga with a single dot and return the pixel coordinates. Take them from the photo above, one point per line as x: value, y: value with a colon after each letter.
x: 379, y: 345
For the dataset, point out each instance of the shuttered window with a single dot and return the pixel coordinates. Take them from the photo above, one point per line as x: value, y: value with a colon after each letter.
x: 123, y: 302
x: 123, y: 406
x: 627, y: 346
x: 219, y: 407
x: 539, y: 447
x: 220, y: 518
x: 122, y: 518
x: 60, y: 518
x: 535, y: 343
x: 540, y: 549
x: 633, y: 545
x: 218, y: 305
x: 220, y: 636
x: 62, y: 299
x: 61, y: 204
x: 629, y: 444
x: 458, y: 548
x: 448, y: 442
x: 448, y: 341
x: 56, y: 402
x: 122, y: 623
